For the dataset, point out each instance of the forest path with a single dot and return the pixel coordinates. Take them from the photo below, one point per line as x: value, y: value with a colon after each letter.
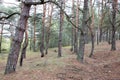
x: 104, y: 65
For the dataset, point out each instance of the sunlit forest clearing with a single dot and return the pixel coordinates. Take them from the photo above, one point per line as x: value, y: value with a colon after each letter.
x: 60, y: 40
x: 104, y: 65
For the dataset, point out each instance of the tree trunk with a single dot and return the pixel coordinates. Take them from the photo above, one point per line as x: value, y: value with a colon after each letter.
x: 72, y: 35
x: 49, y: 27
x: 106, y: 35
x: 101, y: 23
x: 16, y: 44
x: 23, y: 52
x: 91, y: 30
x: 109, y: 37
x: 77, y: 25
x: 60, y: 30
x: 34, y: 39
x: 113, y: 42
x: 1, y: 37
x: 75, y: 40
x: 98, y: 28
x: 80, y: 55
x: 72, y: 41
x: 100, y: 36
x: 42, y: 47
x: 97, y: 36
x: 92, y: 41
x: 31, y: 39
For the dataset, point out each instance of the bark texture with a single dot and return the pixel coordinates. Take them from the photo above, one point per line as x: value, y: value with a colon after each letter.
x: 73, y: 29
x: 24, y: 48
x: 60, y: 30
x: 92, y: 30
x: 113, y: 42
x: 17, y: 40
x: 80, y: 55
x: 42, y: 47
x: 1, y: 33
x: 34, y: 37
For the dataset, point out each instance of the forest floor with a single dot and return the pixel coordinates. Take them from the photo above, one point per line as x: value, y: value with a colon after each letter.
x: 104, y: 65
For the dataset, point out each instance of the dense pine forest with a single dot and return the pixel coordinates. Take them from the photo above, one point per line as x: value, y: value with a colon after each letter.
x: 59, y: 40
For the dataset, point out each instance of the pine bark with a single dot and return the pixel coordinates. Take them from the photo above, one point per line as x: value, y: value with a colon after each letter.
x: 73, y: 29
x: 91, y: 30
x: 60, y: 29
x: 1, y: 33
x: 77, y: 25
x: 24, y: 48
x: 34, y: 37
x: 98, y: 28
x: 80, y: 55
x: 17, y: 40
x: 113, y: 42
x: 42, y: 46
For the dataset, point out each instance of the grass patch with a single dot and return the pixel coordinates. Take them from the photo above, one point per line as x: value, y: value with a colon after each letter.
x: 49, y: 63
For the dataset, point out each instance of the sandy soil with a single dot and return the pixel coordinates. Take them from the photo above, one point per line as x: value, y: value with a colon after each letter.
x: 104, y: 65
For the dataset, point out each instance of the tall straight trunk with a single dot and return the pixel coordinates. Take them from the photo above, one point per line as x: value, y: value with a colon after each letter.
x: 31, y: 32
x: 72, y: 36
x: 1, y: 33
x: 113, y: 42
x: 16, y: 44
x: 80, y: 55
x: 77, y: 25
x: 101, y: 23
x: 47, y: 31
x: 49, y: 27
x: 42, y: 47
x: 75, y: 40
x: 34, y: 39
x: 60, y: 29
x: 98, y: 28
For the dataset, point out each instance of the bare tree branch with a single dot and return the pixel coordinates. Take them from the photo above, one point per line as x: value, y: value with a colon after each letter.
x: 6, y: 17
x: 54, y: 2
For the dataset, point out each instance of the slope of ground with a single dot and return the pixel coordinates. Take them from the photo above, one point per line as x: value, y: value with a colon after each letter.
x: 104, y: 65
